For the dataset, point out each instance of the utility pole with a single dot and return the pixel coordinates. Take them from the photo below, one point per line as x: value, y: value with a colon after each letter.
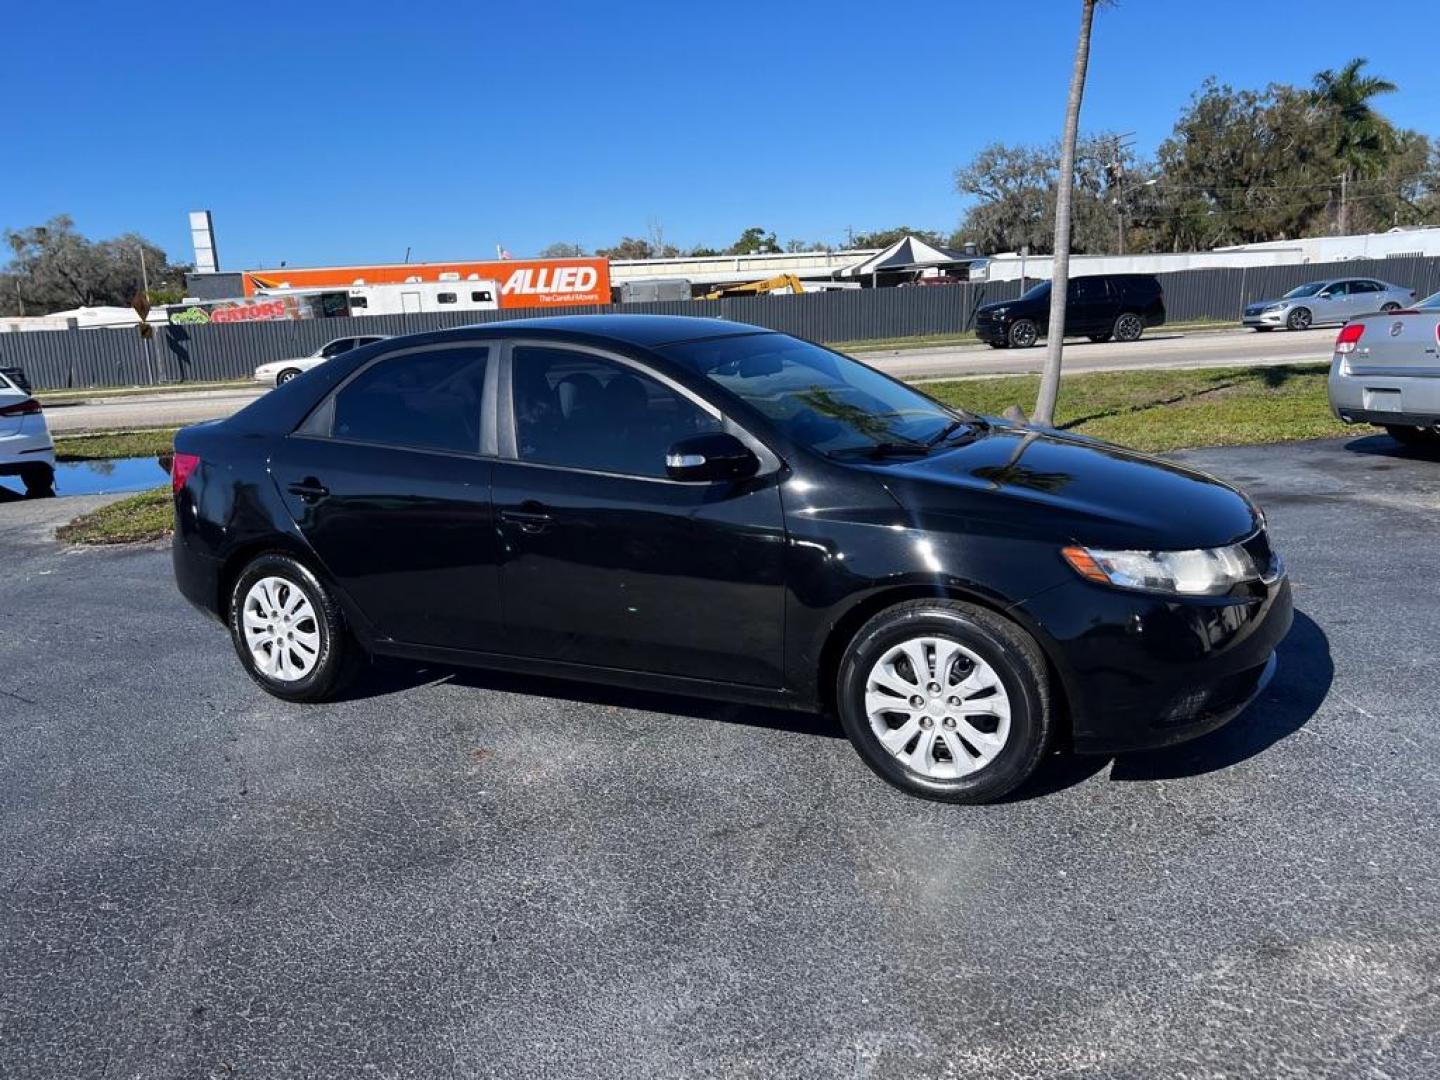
x: 1344, y: 210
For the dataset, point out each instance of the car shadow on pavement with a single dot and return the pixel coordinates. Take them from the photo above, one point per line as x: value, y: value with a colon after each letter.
x: 386, y: 676
x: 1380, y: 445
x: 1301, y: 684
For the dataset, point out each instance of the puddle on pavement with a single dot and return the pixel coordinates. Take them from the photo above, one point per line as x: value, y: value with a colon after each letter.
x: 112, y: 476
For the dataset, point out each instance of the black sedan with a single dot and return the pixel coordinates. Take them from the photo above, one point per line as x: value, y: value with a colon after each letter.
x: 711, y: 508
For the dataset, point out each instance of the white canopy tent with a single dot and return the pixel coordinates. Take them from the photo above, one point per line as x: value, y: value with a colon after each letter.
x: 906, y: 255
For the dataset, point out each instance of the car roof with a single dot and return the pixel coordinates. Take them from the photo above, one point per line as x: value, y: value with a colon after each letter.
x: 646, y: 331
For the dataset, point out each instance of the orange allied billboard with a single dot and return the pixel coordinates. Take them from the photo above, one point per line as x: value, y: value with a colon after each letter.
x: 524, y: 283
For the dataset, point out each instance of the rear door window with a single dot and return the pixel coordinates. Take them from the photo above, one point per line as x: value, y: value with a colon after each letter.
x: 1366, y: 287
x: 427, y: 400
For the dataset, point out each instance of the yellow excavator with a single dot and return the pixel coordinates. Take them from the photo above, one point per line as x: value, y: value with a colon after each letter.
x: 754, y: 288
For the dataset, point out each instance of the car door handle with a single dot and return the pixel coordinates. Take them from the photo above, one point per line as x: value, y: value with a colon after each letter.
x: 309, y: 489
x: 531, y: 516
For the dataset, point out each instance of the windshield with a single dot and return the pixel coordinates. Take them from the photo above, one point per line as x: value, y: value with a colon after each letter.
x: 1309, y: 289
x: 1036, y: 291
x: 818, y: 398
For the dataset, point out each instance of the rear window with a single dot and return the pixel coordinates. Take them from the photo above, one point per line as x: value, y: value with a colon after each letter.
x: 426, y: 400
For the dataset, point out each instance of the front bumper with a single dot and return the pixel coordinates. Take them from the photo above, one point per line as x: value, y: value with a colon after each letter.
x: 1267, y: 318
x: 990, y: 329
x: 1143, y: 671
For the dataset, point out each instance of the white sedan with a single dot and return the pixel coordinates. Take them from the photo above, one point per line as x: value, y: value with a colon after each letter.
x: 26, y: 450
x: 282, y: 371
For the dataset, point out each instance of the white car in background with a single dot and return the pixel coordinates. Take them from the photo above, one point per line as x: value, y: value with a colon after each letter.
x: 26, y: 450
x: 282, y: 371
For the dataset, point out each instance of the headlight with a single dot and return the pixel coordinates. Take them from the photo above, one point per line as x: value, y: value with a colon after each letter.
x: 1274, y: 307
x: 1203, y: 572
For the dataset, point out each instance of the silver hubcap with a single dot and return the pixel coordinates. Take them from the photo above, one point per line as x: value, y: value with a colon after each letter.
x: 1129, y: 328
x: 280, y: 629
x: 937, y: 707
x: 1300, y: 320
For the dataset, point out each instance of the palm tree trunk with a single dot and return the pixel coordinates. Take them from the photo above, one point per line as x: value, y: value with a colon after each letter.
x: 1060, y: 279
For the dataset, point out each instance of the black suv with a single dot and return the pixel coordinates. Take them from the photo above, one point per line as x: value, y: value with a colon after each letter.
x: 1099, y: 307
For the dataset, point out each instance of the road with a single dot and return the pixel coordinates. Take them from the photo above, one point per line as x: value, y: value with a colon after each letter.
x: 1160, y: 350
x: 465, y: 875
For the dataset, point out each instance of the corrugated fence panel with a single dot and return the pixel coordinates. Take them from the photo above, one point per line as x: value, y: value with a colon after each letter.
x: 81, y: 358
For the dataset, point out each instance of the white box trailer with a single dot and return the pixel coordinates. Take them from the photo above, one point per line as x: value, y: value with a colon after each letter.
x: 450, y: 293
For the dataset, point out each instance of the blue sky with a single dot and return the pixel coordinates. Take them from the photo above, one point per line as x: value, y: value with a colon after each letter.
x: 322, y: 133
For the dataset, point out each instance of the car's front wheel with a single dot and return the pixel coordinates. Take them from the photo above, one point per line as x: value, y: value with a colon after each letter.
x: 1023, y: 333
x: 1299, y: 319
x: 946, y: 700
x: 288, y: 631
x: 1129, y: 327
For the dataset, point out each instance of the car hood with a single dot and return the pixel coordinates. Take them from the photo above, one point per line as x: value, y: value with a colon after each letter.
x: 1041, y: 483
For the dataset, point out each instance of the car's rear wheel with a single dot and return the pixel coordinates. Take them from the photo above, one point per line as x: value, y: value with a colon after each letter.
x: 1299, y: 319
x: 1023, y: 333
x: 946, y: 700
x: 39, y: 481
x: 285, y: 376
x: 1389, y: 306
x: 1129, y: 327
x: 288, y: 631
x: 1263, y: 329
x: 1413, y: 436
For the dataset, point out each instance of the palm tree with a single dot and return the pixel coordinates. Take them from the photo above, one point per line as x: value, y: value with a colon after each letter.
x: 1060, y: 279
x: 1363, y: 138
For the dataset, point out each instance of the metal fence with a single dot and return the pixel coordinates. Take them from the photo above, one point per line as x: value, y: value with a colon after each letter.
x: 84, y: 358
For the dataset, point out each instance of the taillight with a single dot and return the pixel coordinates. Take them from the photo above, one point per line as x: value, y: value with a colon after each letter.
x: 28, y: 407
x: 181, y: 466
x: 1349, y: 338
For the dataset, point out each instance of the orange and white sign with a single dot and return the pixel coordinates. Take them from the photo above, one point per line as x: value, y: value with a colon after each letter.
x: 524, y: 283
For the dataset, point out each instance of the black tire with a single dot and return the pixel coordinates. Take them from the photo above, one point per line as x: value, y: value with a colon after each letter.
x: 39, y: 481
x: 1414, y: 436
x: 998, y: 344
x: 338, y: 653
x: 1023, y: 333
x: 1263, y: 329
x: 1100, y: 339
x: 1129, y: 327
x: 285, y: 376
x: 1011, y: 653
x: 1299, y: 319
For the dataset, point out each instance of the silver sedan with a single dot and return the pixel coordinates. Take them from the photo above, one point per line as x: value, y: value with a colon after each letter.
x: 1329, y: 302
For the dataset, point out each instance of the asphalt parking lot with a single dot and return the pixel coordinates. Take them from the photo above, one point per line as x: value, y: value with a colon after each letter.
x: 474, y: 875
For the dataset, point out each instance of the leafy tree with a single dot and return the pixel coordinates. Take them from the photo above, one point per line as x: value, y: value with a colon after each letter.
x: 635, y: 247
x: 703, y: 252
x: 754, y: 241
x: 562, y: 251
x: 1362, y: 139
x: 883, y: 238
x: 54, y: 268
x: 1016, y: 189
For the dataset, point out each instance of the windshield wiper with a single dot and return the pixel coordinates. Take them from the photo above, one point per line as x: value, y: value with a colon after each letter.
x: 974, y: 423
x: 885, y: 449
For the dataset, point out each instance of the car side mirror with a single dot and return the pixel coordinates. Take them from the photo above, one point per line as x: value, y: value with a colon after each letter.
x: 716, y: 456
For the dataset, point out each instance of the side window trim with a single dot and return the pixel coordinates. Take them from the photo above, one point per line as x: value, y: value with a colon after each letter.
x: 319, y: 424
x: 504, y: 406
